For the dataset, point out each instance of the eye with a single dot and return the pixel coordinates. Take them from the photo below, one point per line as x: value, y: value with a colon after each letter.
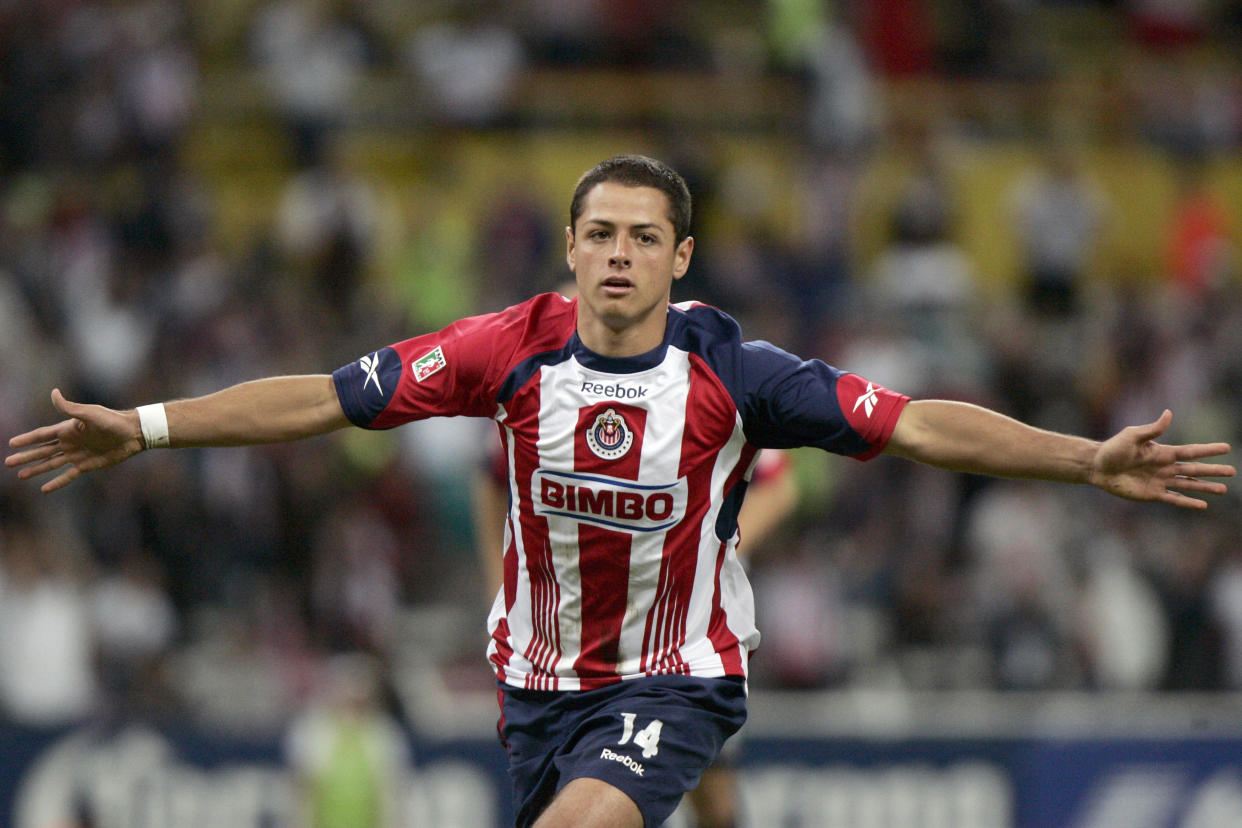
x: 597, y: 234
x: 646, y: 238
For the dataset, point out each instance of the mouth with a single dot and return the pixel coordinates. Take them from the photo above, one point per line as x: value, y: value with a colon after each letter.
x: 617, y: 286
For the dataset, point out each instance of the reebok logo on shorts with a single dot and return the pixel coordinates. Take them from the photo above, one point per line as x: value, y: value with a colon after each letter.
x: 625, y: 760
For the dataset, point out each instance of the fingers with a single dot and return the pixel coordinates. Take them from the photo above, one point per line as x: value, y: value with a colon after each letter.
x: 62, y: 480
x: 1196, y: 450
x: 48, y: 458
x: 63, y: 405
x: 1149, y: 432
x: 1190, y: 484
x: 49, y: 433
x: 39, y: 435
x: 75, y: 464
x: 1204, y: 470
x: 1187, y: 480
x: 53, y: 463
x: 1182, y: 501
x: 40, y: 452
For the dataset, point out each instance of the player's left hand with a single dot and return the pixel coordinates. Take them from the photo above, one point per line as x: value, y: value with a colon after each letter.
x: 1132, y: 465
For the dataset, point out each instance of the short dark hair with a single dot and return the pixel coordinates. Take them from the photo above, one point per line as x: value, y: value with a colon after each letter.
x: 637, y: 171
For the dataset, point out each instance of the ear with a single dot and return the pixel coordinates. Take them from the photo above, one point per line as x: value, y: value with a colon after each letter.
x: 681, y: 257
x: 569, y: 248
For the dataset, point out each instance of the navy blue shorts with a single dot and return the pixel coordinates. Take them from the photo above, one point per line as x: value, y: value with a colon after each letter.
x: 651, y: 737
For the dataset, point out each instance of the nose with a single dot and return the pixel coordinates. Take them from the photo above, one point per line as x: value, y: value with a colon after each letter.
x: 620, y: 257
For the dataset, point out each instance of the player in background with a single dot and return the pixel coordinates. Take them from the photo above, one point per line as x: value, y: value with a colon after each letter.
x: 770, y: 499
x: 621, y: 640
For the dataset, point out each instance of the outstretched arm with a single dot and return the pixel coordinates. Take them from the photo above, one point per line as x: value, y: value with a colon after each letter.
x: 94, y: 437
x: 968, y: 438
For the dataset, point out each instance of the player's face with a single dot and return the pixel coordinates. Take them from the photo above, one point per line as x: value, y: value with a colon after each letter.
x: 625, y: 256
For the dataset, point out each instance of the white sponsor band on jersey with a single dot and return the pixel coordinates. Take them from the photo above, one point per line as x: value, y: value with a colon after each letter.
x: 609, y: 501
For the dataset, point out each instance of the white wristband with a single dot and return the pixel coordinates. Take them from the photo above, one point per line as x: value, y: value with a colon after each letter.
x: 153, y: 421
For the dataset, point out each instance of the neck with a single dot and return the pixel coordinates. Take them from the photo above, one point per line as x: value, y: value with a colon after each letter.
x: 626, y: 340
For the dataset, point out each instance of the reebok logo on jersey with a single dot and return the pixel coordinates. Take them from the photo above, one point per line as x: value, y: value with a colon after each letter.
x: 616, y: 392
x: 428, y: 364
x: 628, y: 761
x: 868, y: 400
x: 609, y: 501
x: 609, y: 436
x: 370, y: 366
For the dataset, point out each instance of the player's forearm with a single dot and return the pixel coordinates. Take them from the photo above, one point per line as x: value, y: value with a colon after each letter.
x: 270, y: 410
x: 968, y: 438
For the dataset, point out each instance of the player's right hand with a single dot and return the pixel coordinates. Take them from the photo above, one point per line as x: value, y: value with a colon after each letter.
x: 93, y: 437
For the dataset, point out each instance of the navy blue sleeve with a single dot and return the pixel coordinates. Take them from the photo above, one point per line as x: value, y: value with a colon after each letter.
x: 366, y: 386
x: 789, y: 402
x: 785, y: 401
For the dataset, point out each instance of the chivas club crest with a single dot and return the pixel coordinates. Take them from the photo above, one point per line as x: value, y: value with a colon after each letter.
x: 609, y: 436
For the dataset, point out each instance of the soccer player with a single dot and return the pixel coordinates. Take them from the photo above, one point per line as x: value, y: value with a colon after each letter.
x: 621, y: 637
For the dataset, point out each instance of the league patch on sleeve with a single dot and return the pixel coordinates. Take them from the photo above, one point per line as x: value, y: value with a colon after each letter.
x: 428, y: 364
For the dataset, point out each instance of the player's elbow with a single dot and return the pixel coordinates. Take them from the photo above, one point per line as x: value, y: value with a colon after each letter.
x: 914, y: 436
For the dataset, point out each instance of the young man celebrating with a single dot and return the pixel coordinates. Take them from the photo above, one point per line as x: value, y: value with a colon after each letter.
x: 621, y: 636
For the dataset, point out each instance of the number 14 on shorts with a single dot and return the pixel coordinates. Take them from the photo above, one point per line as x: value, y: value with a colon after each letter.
x: 648, y: 738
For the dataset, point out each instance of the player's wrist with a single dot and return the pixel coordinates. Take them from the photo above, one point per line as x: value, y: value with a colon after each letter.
x: 1094, y: 474
x: 153, y: 423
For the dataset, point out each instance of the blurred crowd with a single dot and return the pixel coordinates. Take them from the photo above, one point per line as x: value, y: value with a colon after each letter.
x: 221, y: 584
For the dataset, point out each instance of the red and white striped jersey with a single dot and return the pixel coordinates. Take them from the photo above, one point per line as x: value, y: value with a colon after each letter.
x: 625, y: 477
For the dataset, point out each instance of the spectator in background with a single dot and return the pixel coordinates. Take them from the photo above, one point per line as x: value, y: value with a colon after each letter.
x: 562, y: 34
x: 19, y: 364
x: 821, y: 251
x: 47, y: 674
x: 159, y: 81
x: 1024, y: 587
x: 1159, y: 357
x: 515, y: 252
x: 110, y: 334
x: 348, y: 756
x: 1058, y: 216
x: 355, y: 589
x: 923, y: 281
x: 1121, y: 633
x: 313, y: 54
x: 1167, y: 25
x: 1196, y: 656
x: 326, y: 226
x: 899, y: 37
x: 802, y: 612
x: 1201, y: 254
x: 468, y: 67
x: 135, y: 626
x: 1225, y: 596
x: 843, y: 100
